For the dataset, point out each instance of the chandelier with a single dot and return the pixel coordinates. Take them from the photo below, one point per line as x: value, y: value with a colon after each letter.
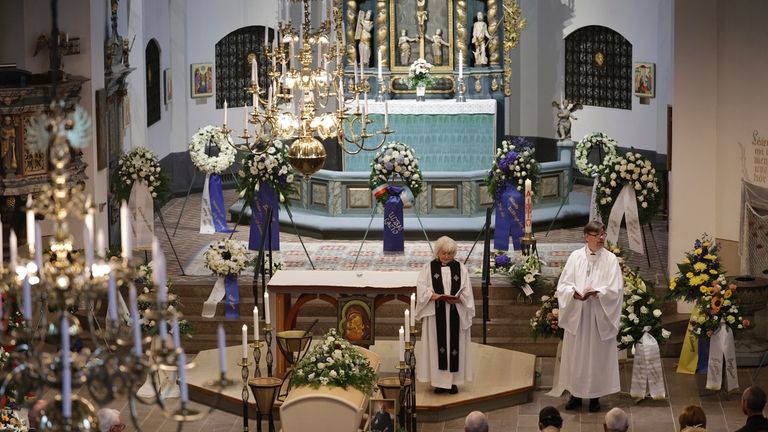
x: 46, y: 296
x: 297, y: 104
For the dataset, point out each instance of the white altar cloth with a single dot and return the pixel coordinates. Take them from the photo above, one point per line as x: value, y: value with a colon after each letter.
x: 430, y: 107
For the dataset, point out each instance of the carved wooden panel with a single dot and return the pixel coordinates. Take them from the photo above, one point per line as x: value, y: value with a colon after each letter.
x: 598, y: 68
x: 233, y: 67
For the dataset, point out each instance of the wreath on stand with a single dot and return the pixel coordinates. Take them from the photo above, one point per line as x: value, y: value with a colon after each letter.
x: 585, y: 147
x: 270, y: 167
x: 395, y: 158
x: 514, y: 163
x: 139, y: 164
x: 203, y: 141
x: 632, y: 169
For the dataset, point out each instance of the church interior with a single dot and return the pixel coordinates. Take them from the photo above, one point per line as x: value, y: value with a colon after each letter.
x: 192, y: 189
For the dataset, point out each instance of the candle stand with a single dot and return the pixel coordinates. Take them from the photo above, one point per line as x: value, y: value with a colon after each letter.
x: 294, y: 345
x: 380, y: 94
x: 264, y: 391
x: 462, y: 88
x: 244, y: 373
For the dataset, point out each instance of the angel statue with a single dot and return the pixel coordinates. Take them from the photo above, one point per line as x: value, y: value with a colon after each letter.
x: 565, y: 110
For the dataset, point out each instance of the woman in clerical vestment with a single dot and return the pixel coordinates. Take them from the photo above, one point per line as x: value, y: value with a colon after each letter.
x: 446, y: 306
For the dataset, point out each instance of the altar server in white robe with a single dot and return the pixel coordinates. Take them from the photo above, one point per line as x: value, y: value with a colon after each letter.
x: 446, y: 306
x: 590, y: 295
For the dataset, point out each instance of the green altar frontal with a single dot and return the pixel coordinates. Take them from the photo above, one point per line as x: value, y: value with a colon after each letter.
x: 446, y: 135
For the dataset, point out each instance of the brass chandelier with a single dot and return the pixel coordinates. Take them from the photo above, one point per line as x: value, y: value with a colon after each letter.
x: 297, y: 103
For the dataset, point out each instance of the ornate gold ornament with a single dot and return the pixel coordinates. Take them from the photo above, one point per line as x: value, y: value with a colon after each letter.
x: 493, y: 26
x: 514, y: 23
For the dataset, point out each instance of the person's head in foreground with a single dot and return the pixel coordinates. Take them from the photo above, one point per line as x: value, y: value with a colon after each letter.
x: 692, y: 416
x: 109, y: 420
x: 753, y: 401
x: 550, y: 419
x: 476, y: 422
x: 616, y: 420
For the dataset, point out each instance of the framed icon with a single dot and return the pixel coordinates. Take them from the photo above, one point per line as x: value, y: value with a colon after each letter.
x: 644, y: 81
x: 356, y: 319
x: 202, y: 80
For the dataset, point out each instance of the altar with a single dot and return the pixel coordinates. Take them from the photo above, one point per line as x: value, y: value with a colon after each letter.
x: 446, y: 135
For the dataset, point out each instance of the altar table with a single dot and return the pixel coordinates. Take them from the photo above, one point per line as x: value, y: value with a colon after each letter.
x: 446, y: 135
x: 327, y: 285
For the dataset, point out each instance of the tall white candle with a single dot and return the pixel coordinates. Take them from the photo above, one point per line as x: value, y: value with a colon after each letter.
x: 66, y: 374
x: 125, y: 231
x: 134, y: 307
x: 362, y: 71
x: 255, y: 70
x: 39, y: 247
x: 528, y: 207
x: 380, y: 75
x: 176, y: 332
x: 386, y: 114
x: 30, y: 226
x: 267, y: 318
x: 101, y: 248
x: 225, y: 112
x: 14, y: 250
x: 407, y: 325
x: 245, y: 113
x: 182, y: 365
x: 87, y: 244
x: 401, y: 346
x: 222, y: 350
x: 26, y: 296
x: 245, y: 341
x: 461, y: 64
x: 354, y: 66
x: 112, y: 296
x: 256, y: 323
x: 413, y: 310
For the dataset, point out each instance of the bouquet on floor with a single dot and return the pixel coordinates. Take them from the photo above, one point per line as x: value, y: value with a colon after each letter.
x: 514, y: 163
x: 334, y: 362
x: 139, y: 164
x: 268, y: 167
x: 526, y: 273
x: 144, y: 278
x: 227, y: 257
x: 640, y: 313
x: 700, y: 267
x: 544, y: 321
x: 717, y: 304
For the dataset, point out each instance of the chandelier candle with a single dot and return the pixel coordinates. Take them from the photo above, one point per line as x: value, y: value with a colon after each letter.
x: 13, y: 244
x: 87, y: 241
x: 26, y: 294
x: 125, y: 231
x: 30, y: 226
x: 39, y: 248
x: 100, y: 248
x: 256, y: 323
x: 182, y: 365
x: 267, y: 319
x: 135, y: 321
x: 222, y: 351
x: 407, y: 326
x: 66, y: 370
x: 176, y: 333
x: 112, y: 296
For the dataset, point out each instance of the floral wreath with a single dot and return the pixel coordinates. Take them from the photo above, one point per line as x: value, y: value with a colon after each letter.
x: 270, y: 167
x: 139, y: 164
x: 395, y: 158
x: 216, y: 137
x: 227, y: 257
x: 632, y: 169
x: 719, y: 304
x: 639, y: 313
x: 585, y: 146
x: 513, y: 164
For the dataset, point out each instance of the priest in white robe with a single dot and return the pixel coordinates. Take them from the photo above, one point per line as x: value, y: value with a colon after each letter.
x: 590, y: 295
x: 445, y: 305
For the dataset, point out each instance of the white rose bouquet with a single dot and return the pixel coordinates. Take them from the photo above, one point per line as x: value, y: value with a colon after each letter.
x: 418, y: 74
x: 148, y: 326
x: 139, y: 164
x: 632, y: 169
x: 227, y: 257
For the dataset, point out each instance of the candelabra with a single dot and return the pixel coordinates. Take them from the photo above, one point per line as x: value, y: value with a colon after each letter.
x: 296, y: 105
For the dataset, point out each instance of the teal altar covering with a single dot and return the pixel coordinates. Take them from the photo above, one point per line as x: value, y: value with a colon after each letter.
x: 446, y: 135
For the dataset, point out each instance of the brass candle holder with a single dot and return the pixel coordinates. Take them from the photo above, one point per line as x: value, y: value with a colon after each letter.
x: 256, y: 358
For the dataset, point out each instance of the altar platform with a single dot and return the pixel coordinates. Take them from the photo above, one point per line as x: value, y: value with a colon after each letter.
x: 489, y: 390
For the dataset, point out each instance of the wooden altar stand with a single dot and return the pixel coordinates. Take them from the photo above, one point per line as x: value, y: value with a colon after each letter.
x: 292, y: 289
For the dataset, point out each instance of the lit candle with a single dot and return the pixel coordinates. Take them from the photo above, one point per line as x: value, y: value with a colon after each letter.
x: 26, y: 294
x: 30, y: 226
x: 225, y: 112
x: 14, y: 249
x: 267, y: 319
x: 245, y: 341
x: 413, y: 310
x: 407, y: 325
x: 256, y: 323
x: 222, y: 350
x: 401, y: 346
x: 461, y: 64
x: 125, y: 231
x: 528, y: 207
x: 386, y: 114
x: 39, y: 247
x: 112, y: 296
x: 176, y: 332
x: 182, y: 365
x: 137, y: 348
x: 66, y: 370
x: 381, y: 76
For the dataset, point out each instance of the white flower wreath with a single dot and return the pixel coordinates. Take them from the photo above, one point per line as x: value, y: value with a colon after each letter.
x: 631, y: 169
x: 227, y: 257
x: 396, y: 158
x: 585, y: 146
x: 212, y: 164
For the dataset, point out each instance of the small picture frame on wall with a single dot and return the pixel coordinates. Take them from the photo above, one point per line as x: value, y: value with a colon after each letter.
x: 202, y: 79
x: 356, y: 320
x: 168, y: 82
x: 644, y: 80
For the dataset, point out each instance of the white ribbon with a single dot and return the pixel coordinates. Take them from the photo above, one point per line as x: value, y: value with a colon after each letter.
x: 206, y: 214
x: 722, y: 345
x: 216, y: 296
x: 142, y: 216
x: 557, y: 387
x: 647, y: 374
x: 167, y: 383
x: 593, y: 213
x: 625, y: 206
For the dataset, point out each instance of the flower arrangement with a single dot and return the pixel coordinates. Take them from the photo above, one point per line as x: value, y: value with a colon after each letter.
x: 527, y: 272
x: 544, y: 321
x: 395, y: 158
x: 632, y: 169
x: 640, y: 313
x: 270, y: 167
x: 501, y: 263
x: 139, y: 164
x: 227, y: 257
x: 514, y: 163
x: 144, y: 278
x: 718, y: 304
x: 584, y: 148
x: 11, y: 422
x: 199, y: 144
x: 418, y: 74
x: 696, y: 272
x: 334, y: 362
x: 9, y: 397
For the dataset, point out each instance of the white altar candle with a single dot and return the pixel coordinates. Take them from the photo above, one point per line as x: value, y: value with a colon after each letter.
x: 137, y: 348
x: 255, y: 70
x: 386, y: 114
x: 225, y: 112
x: 66, y: 373
x: 362, y: 71
x: 222, y: 350
x: 14, y: 250
x: 267, y: 319
x: 26, y: 296
x: 528, y: 207
x: 30, y: 226
x: 380, y: 76
x: 176, y: 332
x: 39, y: 248
x: 413, y: 310
x: 256, y: 323
x: 245, y: 112
x: 245, y: 341
x: 407, y: 326
x: 125, y: 231
x: 182, y: 365
x: 401, y: 346
x: 101, y: 249
x: 461, y: 64
x: 112, y: 296
x: 354, y: 66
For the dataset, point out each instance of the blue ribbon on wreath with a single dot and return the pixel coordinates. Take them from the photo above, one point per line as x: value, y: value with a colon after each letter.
x: 231, y: 297
x: 265, y: 198
x: 216, y: 199
x: 510, y: 218
x: 394, y: 223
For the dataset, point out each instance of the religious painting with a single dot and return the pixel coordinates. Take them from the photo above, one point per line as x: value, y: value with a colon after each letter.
x: 168, y: 79
x: 202, y: 80
x: 356, y: 319
x: 645, y: 80
x: 421, y: 29
x: 383, y: 415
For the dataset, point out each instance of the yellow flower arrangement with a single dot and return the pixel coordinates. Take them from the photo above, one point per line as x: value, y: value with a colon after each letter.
x: 718, y: 305
x: 700, y: 266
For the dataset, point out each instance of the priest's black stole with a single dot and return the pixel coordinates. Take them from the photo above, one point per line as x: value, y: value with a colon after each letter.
x: 442, y: 346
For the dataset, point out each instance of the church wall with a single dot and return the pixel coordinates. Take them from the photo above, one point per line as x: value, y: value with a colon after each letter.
x: 12, y: 23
